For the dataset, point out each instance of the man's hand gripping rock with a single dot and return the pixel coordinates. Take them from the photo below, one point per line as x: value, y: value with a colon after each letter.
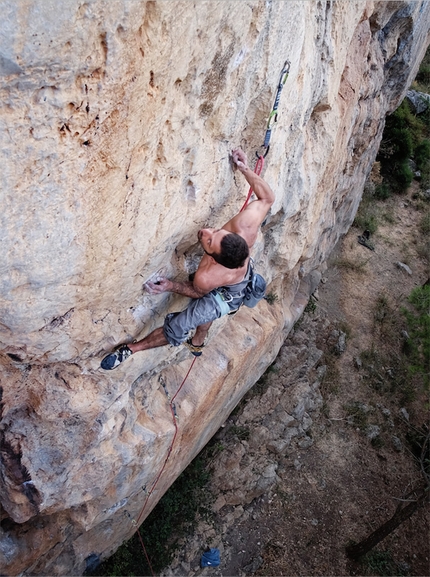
x: 240, y: 159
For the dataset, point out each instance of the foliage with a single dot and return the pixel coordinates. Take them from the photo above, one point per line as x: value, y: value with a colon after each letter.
x: 422, y: 154
x: 271, y: 297
x: 417, y: 346
x: 174, y: 516
x: 422, y: 158
x: 384, y: 365
x: 382, y: 191
x: 398, y: 361
x: 311, y: 306
x: 364, y: 220
x: 260, y: 386
x: 422, y: 80
x: 241, y: 433
x: 418, y: 439
x: 403, y: 174
x: 357, y: 413
x: 405, y: 136
x: 425, y: 224
x: 367, y: 213
x: 400, y: 137
x: 348, y: 264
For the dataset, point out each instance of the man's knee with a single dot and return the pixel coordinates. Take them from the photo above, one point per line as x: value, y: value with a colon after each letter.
x: 177, y: 326
x: 173, y: 332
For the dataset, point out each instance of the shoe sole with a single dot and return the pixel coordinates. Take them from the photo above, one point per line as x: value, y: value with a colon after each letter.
x: 107, y: 362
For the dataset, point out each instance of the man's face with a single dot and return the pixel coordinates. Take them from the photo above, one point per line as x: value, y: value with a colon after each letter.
x: 210, y: 239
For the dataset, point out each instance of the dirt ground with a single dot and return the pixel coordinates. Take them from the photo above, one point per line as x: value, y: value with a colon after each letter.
x: 345, y: 484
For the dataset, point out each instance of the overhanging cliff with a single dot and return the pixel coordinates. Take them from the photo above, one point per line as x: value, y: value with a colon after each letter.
x: 117, y: 122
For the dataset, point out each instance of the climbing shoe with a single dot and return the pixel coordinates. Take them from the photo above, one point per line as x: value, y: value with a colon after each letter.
x: 115, y: 358
x: 195, y: 350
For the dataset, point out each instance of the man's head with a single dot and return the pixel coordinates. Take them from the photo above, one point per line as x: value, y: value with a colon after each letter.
x: 226, y: 248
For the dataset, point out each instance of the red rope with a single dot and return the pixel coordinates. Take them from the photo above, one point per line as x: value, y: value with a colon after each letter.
x: 258, y: 170
x: 144, y: 550
x: 154, y: 484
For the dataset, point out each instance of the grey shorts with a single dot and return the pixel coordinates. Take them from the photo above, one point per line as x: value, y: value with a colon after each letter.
x: 177, y: 326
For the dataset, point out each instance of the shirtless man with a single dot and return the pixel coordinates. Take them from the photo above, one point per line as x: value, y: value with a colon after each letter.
x: 219, y: 282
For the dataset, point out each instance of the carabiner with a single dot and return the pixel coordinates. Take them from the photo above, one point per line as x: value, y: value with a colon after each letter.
x: 285, y: 72
x: 266, y: 152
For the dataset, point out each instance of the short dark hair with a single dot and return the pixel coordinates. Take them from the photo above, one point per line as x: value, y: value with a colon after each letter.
x: 234, y: 251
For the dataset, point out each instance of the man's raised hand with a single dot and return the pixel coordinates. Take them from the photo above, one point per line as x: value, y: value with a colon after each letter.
x: 240, y: 159
x: 162, y: 285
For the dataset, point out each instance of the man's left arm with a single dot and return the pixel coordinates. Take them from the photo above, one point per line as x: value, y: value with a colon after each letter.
x: 188, y: 288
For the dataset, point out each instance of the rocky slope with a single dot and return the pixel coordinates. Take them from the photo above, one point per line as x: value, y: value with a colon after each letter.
x: 117, y: 120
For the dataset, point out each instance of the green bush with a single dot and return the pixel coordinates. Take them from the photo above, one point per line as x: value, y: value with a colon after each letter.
x: 418, y: 343
x: 423, y: 76
x: 403, y: 174
x: 366, y: 220
x: 401, y: 143
x: 406, y: 136
x: 422, y: 154
x: 382, y: 563
x: 404, y: 121
x: 382, y: 191
x: 422, y: 80
x: 425, y: 176
x: 425, y: 224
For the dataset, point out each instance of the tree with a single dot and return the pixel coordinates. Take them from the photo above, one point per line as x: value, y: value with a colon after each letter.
x: 406, y: 508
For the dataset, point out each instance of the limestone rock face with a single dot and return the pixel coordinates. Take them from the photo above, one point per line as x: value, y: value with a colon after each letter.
x: 117, y: 119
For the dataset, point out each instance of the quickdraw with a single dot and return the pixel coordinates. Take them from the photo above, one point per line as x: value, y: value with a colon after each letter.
x: 273, y: 119
x: 273, y: 116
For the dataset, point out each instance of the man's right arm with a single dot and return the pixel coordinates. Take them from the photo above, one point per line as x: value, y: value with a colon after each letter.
x: 260, y: 187
x: 247, y: 222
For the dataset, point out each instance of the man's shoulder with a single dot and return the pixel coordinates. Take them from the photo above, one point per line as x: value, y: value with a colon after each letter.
x: 212, y: 274
x: 206, y: 277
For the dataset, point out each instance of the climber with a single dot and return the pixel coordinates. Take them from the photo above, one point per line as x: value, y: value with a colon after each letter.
x: 219, y: 282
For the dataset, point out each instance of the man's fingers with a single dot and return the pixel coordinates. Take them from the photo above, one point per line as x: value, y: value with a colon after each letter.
x: 161, y: 285
x: 153, y: 288
x: 239, y: 157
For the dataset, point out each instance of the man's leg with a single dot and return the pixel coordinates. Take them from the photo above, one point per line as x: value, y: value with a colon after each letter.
x: 158, y: 339
x: 119, y: 355
x: 153, y: 340
x: 201, y: 332
x: 176, y: 327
